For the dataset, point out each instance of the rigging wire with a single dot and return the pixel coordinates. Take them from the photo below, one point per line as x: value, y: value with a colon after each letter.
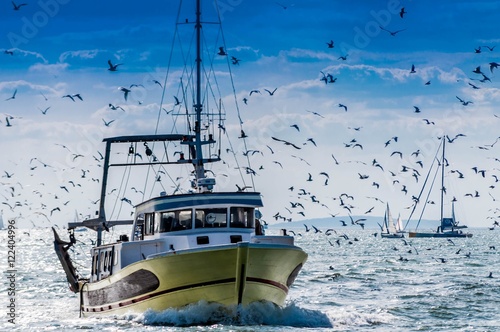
x: 423, y: 186
x: 427, y: 198
x: 235, y: 101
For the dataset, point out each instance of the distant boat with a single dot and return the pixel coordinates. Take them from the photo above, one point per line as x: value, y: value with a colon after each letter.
x: 391, y: 229
x: 448, y: 227
x: 182, y: 248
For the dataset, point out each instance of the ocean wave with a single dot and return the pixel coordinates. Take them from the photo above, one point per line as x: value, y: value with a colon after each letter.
x: 259, y: 313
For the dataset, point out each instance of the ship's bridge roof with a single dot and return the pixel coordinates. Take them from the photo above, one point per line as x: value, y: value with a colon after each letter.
x: 193, y: 200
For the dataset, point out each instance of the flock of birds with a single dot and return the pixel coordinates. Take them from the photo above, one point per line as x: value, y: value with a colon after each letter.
x: 410, y: 166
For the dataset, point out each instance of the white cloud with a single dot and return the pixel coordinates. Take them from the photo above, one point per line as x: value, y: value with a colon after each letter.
x: 82, y: 54
x: 52, y: 69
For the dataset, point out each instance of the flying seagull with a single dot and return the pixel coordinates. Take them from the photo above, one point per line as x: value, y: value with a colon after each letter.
x: 402, y: 12
x: 221, y: 51
x: 17, y: 7
x: 13, y: 96
x: 107, y: 123
x: 286, y: 142
x: 271, y: 93
x: 113, y: 67
x: 125, y: 92
x: 392, y: 33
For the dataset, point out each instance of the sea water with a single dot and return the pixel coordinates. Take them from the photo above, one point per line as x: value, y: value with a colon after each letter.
x: 352, y: 281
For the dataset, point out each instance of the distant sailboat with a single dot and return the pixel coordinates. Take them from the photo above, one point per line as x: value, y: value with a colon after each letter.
x: 449, y: 227
x: 391, y: 228
x: 399, y: 225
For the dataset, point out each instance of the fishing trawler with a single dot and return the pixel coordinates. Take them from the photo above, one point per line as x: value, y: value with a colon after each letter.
x: 182, y: 247
x: 449, y: 226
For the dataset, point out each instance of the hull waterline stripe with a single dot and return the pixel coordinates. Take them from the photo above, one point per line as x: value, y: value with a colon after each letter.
x: 176, y: 289
x: 269, y: 282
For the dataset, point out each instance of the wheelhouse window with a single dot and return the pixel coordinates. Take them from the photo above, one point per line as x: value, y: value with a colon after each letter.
x: 210, y: 218
x: 242, y: 217
x: 175, y: 221
x: 149, y: 223
x: 139, y: 228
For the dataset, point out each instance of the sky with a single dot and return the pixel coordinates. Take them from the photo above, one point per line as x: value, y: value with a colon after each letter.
x: 50, y: 165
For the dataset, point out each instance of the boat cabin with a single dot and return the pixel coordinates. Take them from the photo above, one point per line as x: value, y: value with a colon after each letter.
x: 167, y: 224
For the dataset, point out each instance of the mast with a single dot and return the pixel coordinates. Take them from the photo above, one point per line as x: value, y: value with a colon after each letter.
x: 442, y: 181
x: 198, y: 157
x: 202, y: 183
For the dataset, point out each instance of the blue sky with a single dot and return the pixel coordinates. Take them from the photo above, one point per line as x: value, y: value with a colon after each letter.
x: 62, y: 47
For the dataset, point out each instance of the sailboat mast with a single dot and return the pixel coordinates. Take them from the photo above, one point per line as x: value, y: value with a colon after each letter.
x: 198, y: 157
x: 442, y: 178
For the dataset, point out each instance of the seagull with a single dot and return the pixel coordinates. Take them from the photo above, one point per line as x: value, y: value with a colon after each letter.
x: 286, y: 142
x: 125, y: 92
x: 397, y: 152
x: 343, y: 106
x: 312, y: 141
x: 316, y: 113
x: 295, y: 126
x: 465, y: 103
x: 44, y: 111
x: 158, y: 82
x: 283, y: 6
x: 493, y: 65
x: 17, y: 7
x: 13, y: 96
x: 7, y: 122
x: 240, y: 189
x: 402, y: 12
x: 330, y: 44
x: 114, y: 108
x: 221, y: 51
x: 392, y: 33
x: 477, y: 70
x: 440, y: 259
x: 108, y: 122
x: 335, y: 159
x: 412, y: 71
x: 271, y: 93
x: 235, y: 60
x: 113, y: 67
x: 474, y: 86
x: 331, y: 79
